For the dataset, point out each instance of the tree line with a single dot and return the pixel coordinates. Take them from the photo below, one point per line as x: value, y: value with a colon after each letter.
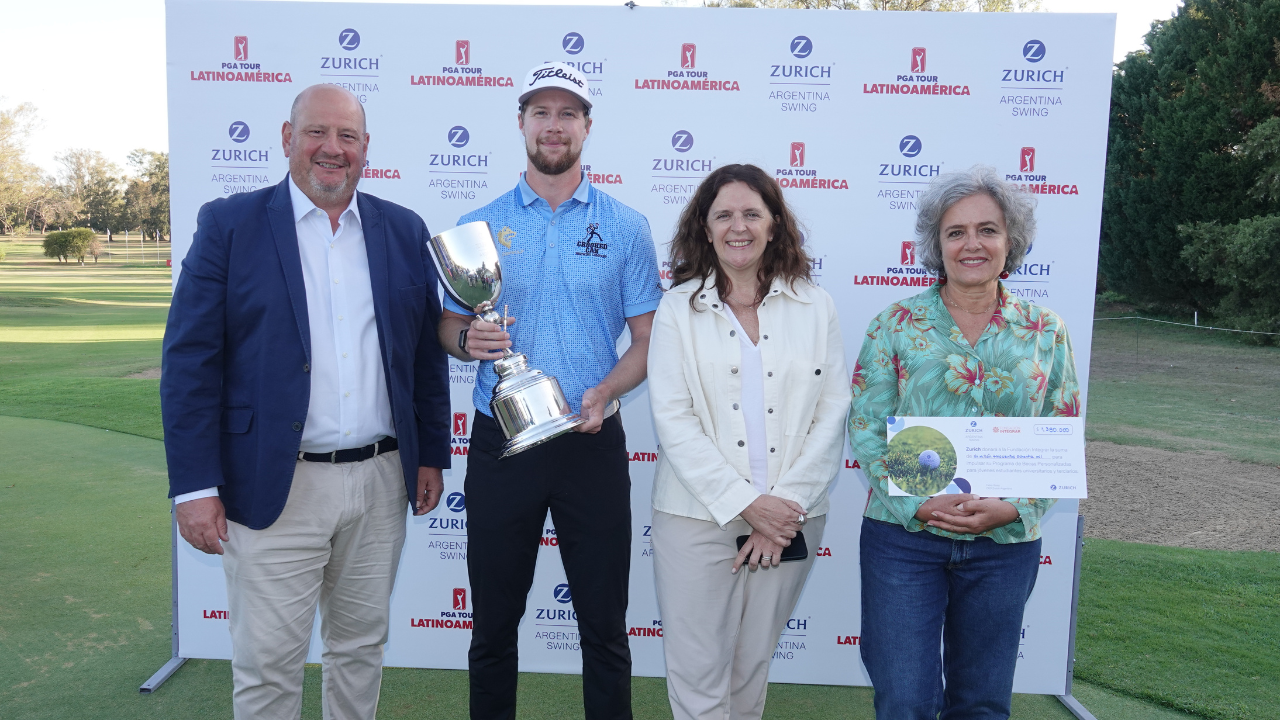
x: 1191, y: 206
x: 88, y: 191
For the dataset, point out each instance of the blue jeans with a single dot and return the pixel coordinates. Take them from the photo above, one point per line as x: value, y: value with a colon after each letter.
x: 918, y: 588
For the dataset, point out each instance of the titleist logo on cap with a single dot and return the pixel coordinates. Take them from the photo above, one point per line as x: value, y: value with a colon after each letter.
x: 553, y: 72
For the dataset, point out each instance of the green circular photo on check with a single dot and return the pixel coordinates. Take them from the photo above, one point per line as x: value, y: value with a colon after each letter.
x: 921, y: 461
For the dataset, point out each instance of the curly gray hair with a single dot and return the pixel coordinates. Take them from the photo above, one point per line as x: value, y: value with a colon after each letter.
x: 948, y: 189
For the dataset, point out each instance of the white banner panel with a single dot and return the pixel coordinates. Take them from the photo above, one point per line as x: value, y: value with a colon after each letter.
x: 853, y: 112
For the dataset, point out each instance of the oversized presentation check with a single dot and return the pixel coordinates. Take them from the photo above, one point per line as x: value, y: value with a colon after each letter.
x: 987, y: 456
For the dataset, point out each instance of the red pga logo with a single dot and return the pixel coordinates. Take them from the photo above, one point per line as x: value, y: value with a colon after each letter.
x: 242, y: 47
x: 797, y: 154
x: 1027, y: 160
x: 460, y: 424
x: 462, y: 52
x: 459, y: 598
x: 917, y: 60
x: 908, y: 253
x: 688, y: 56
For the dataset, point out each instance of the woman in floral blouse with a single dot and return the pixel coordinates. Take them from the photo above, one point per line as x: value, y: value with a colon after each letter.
x: 955, y: 566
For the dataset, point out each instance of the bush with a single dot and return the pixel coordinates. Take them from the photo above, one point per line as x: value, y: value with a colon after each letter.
x: 66, y: 244
x: 1243, y: 260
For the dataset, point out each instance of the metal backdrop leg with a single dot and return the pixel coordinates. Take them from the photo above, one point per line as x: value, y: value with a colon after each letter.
x: 175, y: 662
x: 1072, y: 704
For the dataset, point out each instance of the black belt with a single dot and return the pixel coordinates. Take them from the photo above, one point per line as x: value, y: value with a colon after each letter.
x: 353, y: 454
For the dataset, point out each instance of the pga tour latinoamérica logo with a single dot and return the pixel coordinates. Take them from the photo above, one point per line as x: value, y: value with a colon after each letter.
x: 456, y: 172
x: 457, y: 618
x: 800, y: 86
x: 918, y: 80
x: 796, y: 175
x: 463, y: 72
x: 240, y: 69
x: 349, y: 69
x: 687, y: 76
x: 1034, y: 181
x: 1035, y: 87
x: 572, y: 45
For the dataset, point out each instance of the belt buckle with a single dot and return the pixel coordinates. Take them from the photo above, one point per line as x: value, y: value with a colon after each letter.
x: 375, y: 447
x: 333, y: 457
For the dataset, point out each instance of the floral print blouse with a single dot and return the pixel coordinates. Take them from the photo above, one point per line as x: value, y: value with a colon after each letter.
x: 916, y: 362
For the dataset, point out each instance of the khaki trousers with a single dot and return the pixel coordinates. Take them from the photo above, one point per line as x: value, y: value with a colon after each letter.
x: 336, y: 544
x: 719, y: 630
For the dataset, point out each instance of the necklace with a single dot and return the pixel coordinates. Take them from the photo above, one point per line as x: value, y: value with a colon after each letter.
x: 953, y: 304
x: 753, y: 304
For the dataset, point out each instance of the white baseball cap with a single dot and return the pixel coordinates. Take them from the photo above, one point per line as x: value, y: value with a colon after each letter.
x: 555, y: 75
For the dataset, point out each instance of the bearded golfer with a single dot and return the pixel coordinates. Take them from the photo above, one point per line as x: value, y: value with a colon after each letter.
x: 577, y: 268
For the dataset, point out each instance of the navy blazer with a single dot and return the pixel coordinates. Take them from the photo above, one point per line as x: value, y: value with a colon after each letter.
x: 235, y: 387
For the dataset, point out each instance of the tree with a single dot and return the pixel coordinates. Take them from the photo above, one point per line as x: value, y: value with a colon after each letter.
x: 66, y: 244
x: 1180, y: 113
x: 146, y: 198
x: 1243, y: 261
x: 96, y: 185
x: 19, y: 179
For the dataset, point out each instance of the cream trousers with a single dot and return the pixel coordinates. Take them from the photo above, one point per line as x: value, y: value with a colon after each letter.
x: 336, y: 544
x: 719, y: 630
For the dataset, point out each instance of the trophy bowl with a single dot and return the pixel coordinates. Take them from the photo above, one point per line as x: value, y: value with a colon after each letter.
x: 527, y: 404
x: 467, y: 262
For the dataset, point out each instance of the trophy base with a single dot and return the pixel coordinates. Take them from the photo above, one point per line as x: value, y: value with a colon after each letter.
x: 539, y: 434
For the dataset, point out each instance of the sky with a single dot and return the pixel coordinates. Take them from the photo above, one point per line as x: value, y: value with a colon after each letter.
x: 95, y: 69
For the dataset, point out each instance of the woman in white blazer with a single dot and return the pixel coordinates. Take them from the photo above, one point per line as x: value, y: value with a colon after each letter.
x: 749, y: 393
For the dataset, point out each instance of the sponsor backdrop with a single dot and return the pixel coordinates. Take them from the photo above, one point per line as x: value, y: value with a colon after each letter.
x: 853, y: 113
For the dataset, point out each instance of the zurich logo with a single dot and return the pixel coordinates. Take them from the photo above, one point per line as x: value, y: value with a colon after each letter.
x: 1033, y: 51
x: 910, y: 146
x: 561, y: 593
x: 458, y: 136
x: 456, y: 502
x: 1053, y: 487
x: 682, y: 141
x: 238, y: 132
x: 973, y: 423
x: 573, y: 43
x: 349, y: 39
x: 801, y: 46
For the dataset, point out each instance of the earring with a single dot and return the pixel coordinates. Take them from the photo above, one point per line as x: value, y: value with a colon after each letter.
x: 1004, y: 275
x: 942, y: 279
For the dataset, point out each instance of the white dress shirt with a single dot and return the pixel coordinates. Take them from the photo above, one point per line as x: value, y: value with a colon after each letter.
x: 349, y: 406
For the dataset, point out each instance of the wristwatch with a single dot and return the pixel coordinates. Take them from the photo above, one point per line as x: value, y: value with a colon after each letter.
x: 462, y: 340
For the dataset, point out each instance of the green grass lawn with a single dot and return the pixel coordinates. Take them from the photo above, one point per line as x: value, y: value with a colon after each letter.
x: 1184, y: 389
x: 69, y: 335
x: 1196, y: 630
x: 84, y: 533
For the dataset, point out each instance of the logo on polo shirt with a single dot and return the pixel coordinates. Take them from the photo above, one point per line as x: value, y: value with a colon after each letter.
x: 505, y: 235
x: 593, y: 243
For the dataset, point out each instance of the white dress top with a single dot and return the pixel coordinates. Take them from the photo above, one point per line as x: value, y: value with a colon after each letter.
x: 753, y: 407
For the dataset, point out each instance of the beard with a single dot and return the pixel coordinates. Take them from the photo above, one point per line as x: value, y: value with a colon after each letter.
x: 327, y: 192
x: 548, y: 166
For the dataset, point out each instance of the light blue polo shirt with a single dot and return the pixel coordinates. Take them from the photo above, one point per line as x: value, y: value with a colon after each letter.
x: 571, y: 278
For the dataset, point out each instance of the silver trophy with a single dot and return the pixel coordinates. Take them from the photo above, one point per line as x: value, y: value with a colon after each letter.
x: 529, y: 406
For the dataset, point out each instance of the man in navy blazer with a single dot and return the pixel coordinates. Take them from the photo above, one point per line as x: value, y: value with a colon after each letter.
x: 306, y: 404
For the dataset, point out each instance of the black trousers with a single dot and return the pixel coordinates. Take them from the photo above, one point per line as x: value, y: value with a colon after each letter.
x: 584, y: 481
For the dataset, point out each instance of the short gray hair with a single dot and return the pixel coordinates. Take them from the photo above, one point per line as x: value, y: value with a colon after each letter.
x: 1019, y: 210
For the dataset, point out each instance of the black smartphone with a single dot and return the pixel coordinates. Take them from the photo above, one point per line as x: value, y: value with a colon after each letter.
x: 797, y: 550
